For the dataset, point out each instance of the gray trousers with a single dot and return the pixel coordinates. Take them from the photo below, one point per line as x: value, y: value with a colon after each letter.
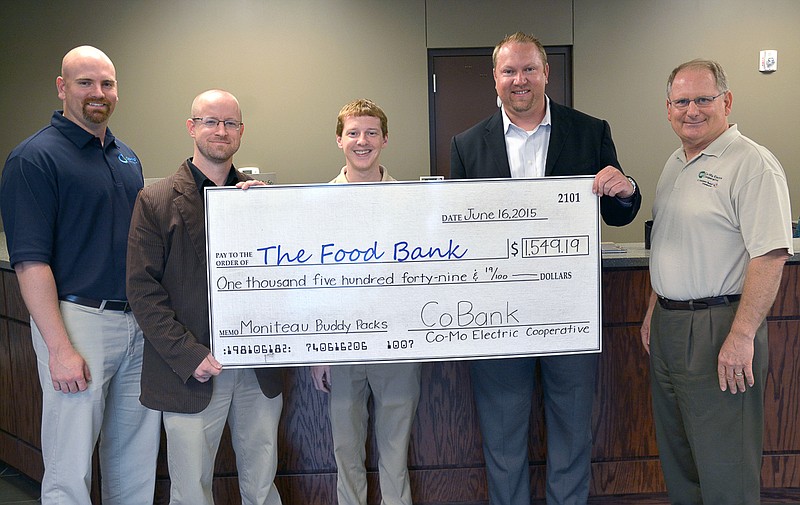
x: 503, y: 390
x: 709, y: 441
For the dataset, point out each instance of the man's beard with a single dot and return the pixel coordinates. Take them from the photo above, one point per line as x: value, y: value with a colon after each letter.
x: 218, y: 155
x: 523, y: 106
x: 96, y: 116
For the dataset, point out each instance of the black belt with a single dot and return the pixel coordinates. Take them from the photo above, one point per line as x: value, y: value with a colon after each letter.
x: 120, y: 305
x: 702, y: 303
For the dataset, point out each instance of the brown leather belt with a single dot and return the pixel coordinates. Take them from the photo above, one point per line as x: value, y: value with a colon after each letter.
x: 702, y: 303
x: 119, y: 305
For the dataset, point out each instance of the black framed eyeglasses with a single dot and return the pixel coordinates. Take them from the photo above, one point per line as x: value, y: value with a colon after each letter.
x: 212, y: 122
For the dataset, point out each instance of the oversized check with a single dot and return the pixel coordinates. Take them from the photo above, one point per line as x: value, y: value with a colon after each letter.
x: 405, y: 271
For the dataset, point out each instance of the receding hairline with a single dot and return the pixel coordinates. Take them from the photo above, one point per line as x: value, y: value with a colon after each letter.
x: 699, y: 64
x: 82, y: 53
x: 206, y: 97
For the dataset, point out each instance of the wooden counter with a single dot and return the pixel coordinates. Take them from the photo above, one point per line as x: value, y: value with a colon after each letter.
x: 445, y: 458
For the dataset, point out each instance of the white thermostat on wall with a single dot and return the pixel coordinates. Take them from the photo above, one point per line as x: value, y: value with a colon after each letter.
x: 768, y: 60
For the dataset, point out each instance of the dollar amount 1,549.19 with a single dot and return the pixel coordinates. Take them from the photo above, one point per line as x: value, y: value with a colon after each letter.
x: 555, y: 246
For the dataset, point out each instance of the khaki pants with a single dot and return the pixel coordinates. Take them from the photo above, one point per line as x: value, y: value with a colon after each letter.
x: 111, y: 344
x: 395, y: 395
x: 193, y: 440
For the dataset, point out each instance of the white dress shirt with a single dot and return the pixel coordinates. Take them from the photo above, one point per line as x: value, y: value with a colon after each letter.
x: 527, y: 150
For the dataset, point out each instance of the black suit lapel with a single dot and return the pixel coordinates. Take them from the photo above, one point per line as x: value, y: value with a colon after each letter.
x: 559, y: 130
x: 496, y: 145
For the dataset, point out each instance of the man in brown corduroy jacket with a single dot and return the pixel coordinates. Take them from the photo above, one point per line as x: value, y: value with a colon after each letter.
x: 168, y: 292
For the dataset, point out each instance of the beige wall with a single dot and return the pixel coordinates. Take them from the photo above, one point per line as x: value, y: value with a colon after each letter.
x: 478, y: 23
x: 294, y: 63
x: 625, y: 50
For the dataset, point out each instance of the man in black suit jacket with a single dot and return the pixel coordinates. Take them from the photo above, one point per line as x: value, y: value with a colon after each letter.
x: 532, y: 136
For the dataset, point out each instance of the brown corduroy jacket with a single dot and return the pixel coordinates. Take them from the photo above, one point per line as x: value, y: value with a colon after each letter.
x: 168, y: 292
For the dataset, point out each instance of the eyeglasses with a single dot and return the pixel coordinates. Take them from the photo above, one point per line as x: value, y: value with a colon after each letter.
x: 700, y: 101
x: 212, y: 122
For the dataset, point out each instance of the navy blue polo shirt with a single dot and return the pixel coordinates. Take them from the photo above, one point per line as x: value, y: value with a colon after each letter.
x: 66, y: 200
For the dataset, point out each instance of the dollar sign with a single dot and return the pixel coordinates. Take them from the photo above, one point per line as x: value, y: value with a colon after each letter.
x: 514, y: 250
x: 475, y: 276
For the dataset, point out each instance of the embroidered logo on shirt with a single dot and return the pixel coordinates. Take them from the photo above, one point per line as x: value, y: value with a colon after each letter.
x: 128, y: 159
x: 708, y: 179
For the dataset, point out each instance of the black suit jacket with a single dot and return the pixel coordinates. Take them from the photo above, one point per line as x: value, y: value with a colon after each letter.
x: 168, y: 293
x: 579, y: 145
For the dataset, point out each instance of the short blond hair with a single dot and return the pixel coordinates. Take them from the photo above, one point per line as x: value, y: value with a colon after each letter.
x: 519, y: 38
x: 362, y: 107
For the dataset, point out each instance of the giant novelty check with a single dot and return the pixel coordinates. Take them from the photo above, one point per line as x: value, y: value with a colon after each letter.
x: 406, y: 271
